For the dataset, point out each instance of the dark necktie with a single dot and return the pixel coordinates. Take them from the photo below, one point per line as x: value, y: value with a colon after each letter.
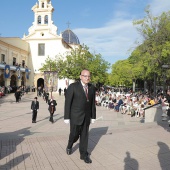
x: 86, y: 92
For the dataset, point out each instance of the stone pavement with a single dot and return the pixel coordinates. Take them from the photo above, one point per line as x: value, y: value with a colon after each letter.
x: 116, y: 141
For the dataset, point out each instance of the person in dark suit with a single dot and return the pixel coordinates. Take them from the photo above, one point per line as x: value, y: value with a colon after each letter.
x: 60, y: 91
x: 80, y: 111
x: 65, y: 91
x: 34, y: 109
x: 17, y: 95
x: 46, y: 97
x: 52, y: 108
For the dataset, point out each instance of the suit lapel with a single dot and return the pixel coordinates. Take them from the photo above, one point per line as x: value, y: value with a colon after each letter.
x: 82, y: 89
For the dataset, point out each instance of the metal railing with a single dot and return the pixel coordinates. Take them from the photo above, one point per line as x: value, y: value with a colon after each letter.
x: 151, y: 106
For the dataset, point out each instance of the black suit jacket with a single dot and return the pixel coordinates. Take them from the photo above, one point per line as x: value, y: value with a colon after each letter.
x: 35, y: 106
x: 77, y: 108
x: 54, y: 105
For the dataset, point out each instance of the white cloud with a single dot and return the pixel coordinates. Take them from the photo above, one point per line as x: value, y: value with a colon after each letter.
x: 112, y: 41
x: 118, y: 36
x: 157, y: 6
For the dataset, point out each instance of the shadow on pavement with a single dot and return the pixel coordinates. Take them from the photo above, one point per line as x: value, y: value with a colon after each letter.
x: 164, y: 124
x: 8, y: 145
x: 55, y: 120
x: 94, y: 135
x: 15, y: 161
x: 130, y: 163
x: 164, y: 155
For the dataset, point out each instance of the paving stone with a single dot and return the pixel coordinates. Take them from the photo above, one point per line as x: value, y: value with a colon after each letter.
x: 116, y: 141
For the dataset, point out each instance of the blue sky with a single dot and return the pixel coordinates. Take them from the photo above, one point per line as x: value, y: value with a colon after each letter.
x: 105, y: 26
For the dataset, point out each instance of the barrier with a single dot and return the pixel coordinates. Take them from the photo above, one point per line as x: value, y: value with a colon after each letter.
x: 153, y: 114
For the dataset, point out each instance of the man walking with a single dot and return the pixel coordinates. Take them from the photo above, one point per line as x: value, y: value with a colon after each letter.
x: 79, y: 111
x: 34, y: 109
x: 17, y: 95
x: 52, y: 108
x: 60, y: 91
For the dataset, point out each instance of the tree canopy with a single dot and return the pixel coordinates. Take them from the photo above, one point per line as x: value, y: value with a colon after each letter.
x: 73, y: 63
x: 149, y: 56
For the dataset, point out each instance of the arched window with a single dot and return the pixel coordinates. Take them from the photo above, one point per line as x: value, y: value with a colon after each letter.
x: 42, y: 5
x: 39, y: 19
x: 46, y: 19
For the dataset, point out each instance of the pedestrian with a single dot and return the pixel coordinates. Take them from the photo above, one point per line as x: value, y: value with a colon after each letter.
x: 52, y: 108
x: 46, y: 97
x: 59, y: 91
x: 65, y: 91
x: 34, y: 109
x: 80, y: 111
x: 17, y: 95
x: 39, y: 91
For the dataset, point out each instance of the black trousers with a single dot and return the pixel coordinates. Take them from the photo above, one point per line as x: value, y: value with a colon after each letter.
x: 76, y: 132
x: 51, y: 117
x: 17, y: 99
x: 51, y: 110
x: 34, y: 115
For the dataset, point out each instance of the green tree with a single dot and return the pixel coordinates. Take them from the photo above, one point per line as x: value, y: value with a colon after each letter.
x: 49, y: 65
x: 156, y: 35
x: 79, y: 59
x: 121, y: 73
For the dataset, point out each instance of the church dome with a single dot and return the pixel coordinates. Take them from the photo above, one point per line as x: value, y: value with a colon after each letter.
x: 69, y: 37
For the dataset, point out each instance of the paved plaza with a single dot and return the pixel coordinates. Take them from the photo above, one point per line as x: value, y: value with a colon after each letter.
x: 116, y: 141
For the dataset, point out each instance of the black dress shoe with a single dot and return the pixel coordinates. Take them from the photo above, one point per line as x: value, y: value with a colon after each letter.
x: 86, y: 159
x: 69, y: 151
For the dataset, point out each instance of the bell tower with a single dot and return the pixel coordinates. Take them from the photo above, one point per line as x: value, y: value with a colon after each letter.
x: 43, y: 23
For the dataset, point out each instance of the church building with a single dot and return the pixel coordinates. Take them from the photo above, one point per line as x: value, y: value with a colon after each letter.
x: 21, y: 59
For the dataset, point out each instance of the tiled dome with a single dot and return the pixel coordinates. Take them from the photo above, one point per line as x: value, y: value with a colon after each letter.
x: 70, y: 37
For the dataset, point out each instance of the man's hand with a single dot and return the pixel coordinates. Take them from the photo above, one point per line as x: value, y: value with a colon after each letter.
x: 93, y: 120
x: 37, y: 110
x: 67, y: 121
x: 31, y: 110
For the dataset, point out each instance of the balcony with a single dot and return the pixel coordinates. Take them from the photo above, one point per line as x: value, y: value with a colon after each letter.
x: 14, y: 68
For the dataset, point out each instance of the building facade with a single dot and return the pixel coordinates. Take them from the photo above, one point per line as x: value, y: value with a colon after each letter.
x: 21, y: 59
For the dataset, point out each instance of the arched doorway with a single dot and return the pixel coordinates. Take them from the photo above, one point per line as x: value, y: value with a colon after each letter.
x: 13, y: 81
x: 40, y: 82
x: 2, y: 82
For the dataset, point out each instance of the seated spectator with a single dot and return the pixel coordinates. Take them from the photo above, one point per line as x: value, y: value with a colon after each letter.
x: 118, y: 104
x: 98, y: 100
x: 151, y: 101
x: 141, y: 111
x: 112, y: 102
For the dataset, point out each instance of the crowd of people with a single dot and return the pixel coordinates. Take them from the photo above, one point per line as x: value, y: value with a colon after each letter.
x: 133, y: 104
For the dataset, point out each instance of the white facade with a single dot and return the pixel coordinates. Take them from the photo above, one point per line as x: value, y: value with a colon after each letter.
x: 44, y: 32
x: 41, y: 42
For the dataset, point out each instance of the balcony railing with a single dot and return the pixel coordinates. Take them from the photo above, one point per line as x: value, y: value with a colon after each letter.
x: 13, y: 68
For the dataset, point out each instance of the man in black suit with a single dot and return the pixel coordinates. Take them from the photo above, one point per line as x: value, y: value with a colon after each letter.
x: 52, y: 108
x: 80, y: 111
x: 17, y: 95
x: 34, y: 109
